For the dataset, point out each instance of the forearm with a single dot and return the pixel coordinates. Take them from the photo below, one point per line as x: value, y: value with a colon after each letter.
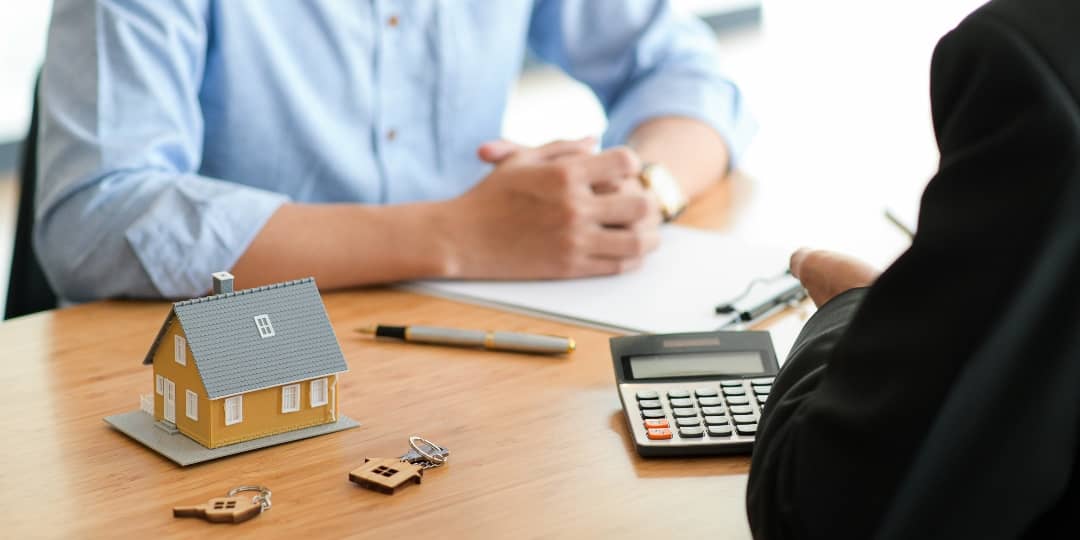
x: 346, y: 245
x: 692, y: 150
x: 141, y: 233
x: 780, y: 488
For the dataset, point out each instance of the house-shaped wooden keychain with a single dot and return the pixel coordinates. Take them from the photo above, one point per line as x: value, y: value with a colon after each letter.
x: 239, y: 370
x: 385, y: 475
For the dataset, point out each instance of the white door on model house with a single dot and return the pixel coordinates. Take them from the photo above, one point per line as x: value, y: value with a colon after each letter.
x: 169, y: 392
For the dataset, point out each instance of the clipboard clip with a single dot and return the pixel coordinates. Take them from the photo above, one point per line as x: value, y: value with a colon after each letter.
x: 777, y: 297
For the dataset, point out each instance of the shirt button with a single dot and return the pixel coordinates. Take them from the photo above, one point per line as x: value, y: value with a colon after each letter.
x: 392, y: 21
x: 391, y: 135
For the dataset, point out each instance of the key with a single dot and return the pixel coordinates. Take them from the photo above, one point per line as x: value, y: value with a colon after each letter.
x: 412, y: 456
x: 222, y: 510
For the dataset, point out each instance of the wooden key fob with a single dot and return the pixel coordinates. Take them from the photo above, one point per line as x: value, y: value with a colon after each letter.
x: 385, y: 475
x: 222, y: 510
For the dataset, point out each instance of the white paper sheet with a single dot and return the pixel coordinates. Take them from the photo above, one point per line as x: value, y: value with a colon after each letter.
x: 676, y: 290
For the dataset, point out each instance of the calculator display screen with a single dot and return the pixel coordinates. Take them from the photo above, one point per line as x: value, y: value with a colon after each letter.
x: 702, y: 364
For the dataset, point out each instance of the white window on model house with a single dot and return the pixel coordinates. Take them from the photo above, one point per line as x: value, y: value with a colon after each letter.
x: 192, y: 408
x: 318, y: 393
x: 262, y: 322
x: 180, y: 350
x: 234, y: 410
x: 290, y: 398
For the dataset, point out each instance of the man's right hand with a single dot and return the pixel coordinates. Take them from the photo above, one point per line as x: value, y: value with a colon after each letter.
x: 556, y: 211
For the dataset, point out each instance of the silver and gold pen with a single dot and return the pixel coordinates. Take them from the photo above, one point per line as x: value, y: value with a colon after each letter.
x: 496, y: 341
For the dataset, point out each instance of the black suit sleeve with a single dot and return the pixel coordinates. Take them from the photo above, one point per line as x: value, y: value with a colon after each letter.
x: 867, y: 376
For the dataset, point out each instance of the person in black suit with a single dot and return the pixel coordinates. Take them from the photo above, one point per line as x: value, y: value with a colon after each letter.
x: 942, y: 398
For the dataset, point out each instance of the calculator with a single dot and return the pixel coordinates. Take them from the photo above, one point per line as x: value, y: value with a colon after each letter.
x: 694, y: 394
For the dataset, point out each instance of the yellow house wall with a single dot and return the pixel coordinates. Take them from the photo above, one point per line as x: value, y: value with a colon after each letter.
x: 263, y: 416
x: 184, y: 378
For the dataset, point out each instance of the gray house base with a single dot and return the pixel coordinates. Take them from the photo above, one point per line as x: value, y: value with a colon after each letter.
x: 183, y: 451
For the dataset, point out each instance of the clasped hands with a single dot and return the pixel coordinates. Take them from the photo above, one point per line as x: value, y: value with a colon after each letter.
x: 556, y: 211
x: 562, y: 210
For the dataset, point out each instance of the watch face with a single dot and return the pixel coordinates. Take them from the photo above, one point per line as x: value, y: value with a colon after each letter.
x: 666, y: 188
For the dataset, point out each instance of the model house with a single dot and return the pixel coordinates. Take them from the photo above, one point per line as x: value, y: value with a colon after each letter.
x: 237, y: 366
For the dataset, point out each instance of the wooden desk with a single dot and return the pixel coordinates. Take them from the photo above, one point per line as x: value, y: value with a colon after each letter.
x: 540, y: 447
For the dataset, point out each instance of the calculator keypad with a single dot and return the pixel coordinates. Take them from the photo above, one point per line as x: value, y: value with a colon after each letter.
x: 725, y: 412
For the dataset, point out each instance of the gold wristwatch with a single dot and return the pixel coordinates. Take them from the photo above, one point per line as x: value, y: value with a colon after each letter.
x: 657, y: 179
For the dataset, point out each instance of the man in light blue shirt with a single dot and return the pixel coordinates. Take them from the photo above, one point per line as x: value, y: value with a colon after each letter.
x: 340, y: 139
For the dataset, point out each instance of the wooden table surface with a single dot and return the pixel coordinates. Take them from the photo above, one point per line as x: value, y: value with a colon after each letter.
x: 540, y: 446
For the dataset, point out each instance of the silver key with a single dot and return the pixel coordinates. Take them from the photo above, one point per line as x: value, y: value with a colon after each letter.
x: 425, y: 453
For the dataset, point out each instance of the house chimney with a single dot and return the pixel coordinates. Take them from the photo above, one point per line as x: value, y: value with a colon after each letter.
x: 222, y: 282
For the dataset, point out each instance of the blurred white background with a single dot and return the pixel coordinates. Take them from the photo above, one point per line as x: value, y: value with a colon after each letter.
x: 22, y: 34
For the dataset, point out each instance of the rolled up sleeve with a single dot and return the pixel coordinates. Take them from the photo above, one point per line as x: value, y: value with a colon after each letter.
x: 642, y: 60
x: 121, y: 210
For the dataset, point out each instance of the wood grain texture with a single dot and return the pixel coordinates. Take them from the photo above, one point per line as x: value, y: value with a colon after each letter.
x: 540, y: 446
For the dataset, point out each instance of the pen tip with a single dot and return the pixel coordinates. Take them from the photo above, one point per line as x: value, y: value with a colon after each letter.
x: 368, y: 330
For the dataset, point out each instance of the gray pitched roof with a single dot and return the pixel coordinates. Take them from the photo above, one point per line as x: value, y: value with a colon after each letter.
x: 231, y: 356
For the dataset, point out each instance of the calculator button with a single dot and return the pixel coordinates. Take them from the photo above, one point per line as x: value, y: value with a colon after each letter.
x: 705, y: 392
x: 650, y: 404
x: 647, y: 394
x: 656, y: 424
x: 716, y: 420
x: 710, y: 402
x: 649, y: 414
x: 684, y: 412
x: 746, y: 429
x: 719, y: 431
x: 762, y: 390
x: 658, y: 434
x: 729, y: 384
x: 763, y: 380
x: 691, y: 432
x: 734, y: 391
x: 675, y: 394
x: 738, y: 400
x: 744, y: 418
x: 741, y: 409
x: 688, y: 422
x: 682, y: 402
x: 709, y: 411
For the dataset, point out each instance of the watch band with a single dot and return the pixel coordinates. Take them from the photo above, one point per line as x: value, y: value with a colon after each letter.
x: 656, y: 178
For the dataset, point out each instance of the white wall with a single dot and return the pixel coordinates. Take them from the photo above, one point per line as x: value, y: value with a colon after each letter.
x: 23, y: 25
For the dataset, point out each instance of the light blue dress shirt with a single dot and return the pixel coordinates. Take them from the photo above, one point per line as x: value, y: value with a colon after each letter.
x: 172, y: 130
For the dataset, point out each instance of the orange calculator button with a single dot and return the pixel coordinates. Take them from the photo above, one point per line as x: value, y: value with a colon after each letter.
x: 656, y: 424
x: 658, y: 434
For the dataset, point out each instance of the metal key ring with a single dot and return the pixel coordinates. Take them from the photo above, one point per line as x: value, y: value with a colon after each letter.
x: 414, y: 442
x: 262, y: 499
